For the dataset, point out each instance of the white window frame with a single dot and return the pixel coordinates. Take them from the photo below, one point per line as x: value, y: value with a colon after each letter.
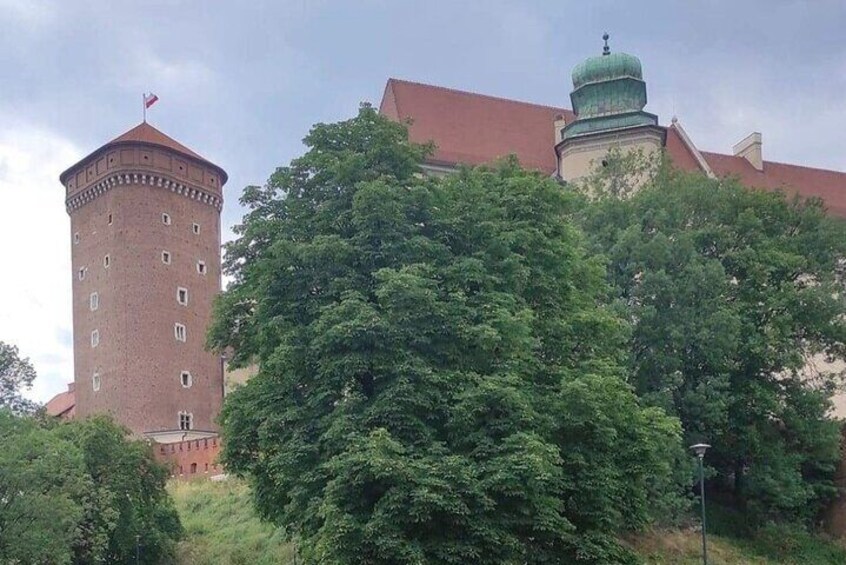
x: 180, y: 332
x: 93, y: 301
x: 82, y: 272
x: 75, y: 238
x: 166, y: 219
x: 195, y: 227
x: 95, y: 338
x: 96, y: 381
x: 201, y: 267
x: 166, y: 257
x: 188, y: 421
x: 185, y: 377
x: 107, y: 261
x: 180, y: 291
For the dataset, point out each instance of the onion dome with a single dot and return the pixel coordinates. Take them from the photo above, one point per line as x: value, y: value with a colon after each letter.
x: 608, y: 93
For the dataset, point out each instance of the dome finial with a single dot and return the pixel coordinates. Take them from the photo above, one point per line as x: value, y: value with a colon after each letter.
x: 606, y: 50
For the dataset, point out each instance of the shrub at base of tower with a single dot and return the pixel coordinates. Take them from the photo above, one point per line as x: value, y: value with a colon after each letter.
x: 81, y: 492
x: 440, y: 381
x: 734, y: 295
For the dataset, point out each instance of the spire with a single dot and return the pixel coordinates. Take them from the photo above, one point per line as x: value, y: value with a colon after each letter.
x: 606, y: 50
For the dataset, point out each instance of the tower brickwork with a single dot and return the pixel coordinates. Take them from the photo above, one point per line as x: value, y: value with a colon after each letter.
x: 145, y: 241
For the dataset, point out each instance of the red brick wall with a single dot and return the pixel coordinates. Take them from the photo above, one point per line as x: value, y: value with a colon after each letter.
x: 138, y: 359
x: 190, y: 459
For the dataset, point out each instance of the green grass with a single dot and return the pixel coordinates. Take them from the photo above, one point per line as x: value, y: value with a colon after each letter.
x: 222, y: 529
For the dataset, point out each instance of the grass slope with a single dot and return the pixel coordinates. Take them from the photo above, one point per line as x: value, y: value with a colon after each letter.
x: 221, y: 527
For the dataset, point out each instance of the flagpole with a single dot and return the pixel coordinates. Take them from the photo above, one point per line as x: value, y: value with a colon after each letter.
x: 144, y: 106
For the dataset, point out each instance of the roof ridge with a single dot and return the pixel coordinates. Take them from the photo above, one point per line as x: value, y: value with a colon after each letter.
x: 778, y: 163
x: 477, y: 94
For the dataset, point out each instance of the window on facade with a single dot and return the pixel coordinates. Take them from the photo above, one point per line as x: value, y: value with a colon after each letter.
x: 166, y: 257
x: 185, y: 379
x: 81, y: 273
x: 93, y: 301
x: 107, y: 261
x: 165, y: 219
x: 186, y: 421
x: 196, y: 228
x: 95, y: 381
x: 110, y: 218
x: 95, y: 338
x: 76, y: 237
x: 193, y: 467
x: 201, y: 267
x: 179, y: 332
x: 182, y: 296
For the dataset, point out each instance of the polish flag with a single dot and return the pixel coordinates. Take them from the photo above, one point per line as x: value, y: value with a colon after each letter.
x: 150, y: 99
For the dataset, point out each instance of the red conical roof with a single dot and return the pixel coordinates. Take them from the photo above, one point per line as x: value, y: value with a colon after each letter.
x: 145, y: 133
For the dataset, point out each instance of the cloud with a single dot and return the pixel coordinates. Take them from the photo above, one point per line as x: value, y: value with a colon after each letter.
x: 35, y: 282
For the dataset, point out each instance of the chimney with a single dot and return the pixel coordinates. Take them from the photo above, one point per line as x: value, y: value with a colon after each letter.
x: 71, y: 387
x: 558, y: 125
x: 750, y: 149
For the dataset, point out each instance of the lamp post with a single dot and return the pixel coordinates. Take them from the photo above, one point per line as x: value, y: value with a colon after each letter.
x: 699, y: 450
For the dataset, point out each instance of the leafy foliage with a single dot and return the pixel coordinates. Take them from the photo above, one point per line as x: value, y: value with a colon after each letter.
x: 439, y: 379
x: 80, y: 492
x: 16, y: 374
x: 733, y: 294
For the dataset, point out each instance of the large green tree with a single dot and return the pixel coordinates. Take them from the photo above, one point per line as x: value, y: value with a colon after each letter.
x: 733, y: 294
x: 81, y: 492
x: 16, y: 375
x: 439, y: 379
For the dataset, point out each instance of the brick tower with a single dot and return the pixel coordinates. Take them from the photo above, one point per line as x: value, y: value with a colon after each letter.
x: 145, y: 240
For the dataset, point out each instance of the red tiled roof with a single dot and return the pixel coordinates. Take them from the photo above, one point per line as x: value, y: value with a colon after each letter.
x: 61, y: 405
x: 473, y: 128
x: 146, y: 133
x: 808, y: 182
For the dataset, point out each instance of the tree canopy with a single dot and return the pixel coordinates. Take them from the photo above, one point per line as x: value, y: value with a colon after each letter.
x: 16, y: 375
x: 736, y: 304
x: 441, y: 377
x: 81, y: 492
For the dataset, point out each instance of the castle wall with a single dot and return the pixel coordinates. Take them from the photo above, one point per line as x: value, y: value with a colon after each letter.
x: 156, y: 215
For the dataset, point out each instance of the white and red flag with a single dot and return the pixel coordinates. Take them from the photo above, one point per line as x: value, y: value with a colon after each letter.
x: 150, y: 99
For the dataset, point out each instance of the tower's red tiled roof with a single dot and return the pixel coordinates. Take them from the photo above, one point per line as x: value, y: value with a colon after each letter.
x: 146, y: 133
x: 474, y: 128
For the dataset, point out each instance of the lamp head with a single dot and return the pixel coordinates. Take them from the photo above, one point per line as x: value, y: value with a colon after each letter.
x: 699, y: 449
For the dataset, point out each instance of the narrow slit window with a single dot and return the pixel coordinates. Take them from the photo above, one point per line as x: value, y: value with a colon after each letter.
x: 182, y: 296
x: 94, y: 301
x: 107, y: 261
x: 201, y: 267
x: 166, y: 257
x: 186, y: 379
x: 95, y: 338
x: 81, y: 273
x: 165, y: 218
x: 76, y: 237
x: 110, y: 218
x: 95, y: 381
x: 196, y: 228
x: 179, y: 332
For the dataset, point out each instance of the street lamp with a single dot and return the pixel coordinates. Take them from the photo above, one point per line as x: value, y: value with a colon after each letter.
x: 699, y: 450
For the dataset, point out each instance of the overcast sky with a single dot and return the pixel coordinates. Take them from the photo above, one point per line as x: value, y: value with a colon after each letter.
x: 240, y: 83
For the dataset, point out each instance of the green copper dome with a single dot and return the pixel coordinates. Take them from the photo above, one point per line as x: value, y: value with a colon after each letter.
x: 607, y: 67
x: 608, y: 94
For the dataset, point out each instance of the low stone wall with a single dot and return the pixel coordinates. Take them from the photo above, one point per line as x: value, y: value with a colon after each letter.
x: 191, y: 459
